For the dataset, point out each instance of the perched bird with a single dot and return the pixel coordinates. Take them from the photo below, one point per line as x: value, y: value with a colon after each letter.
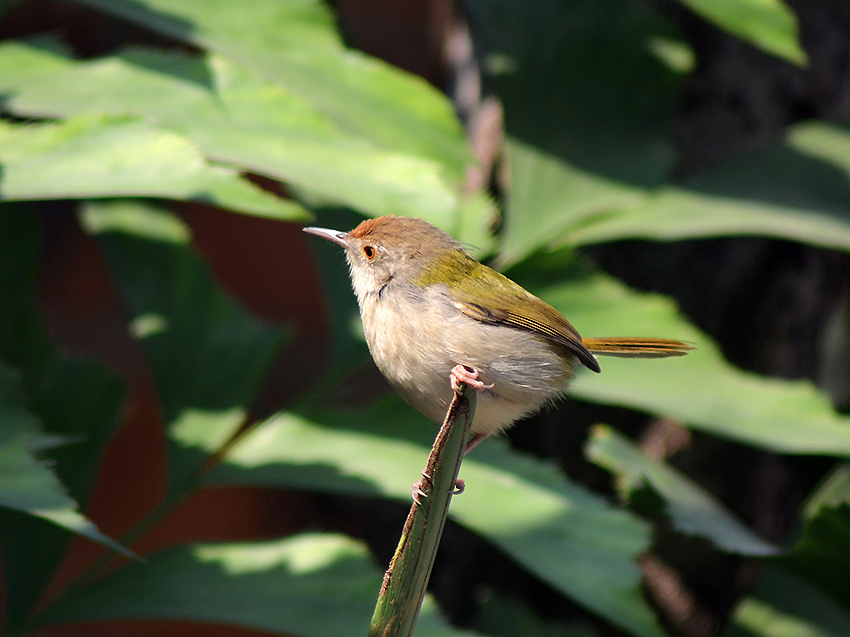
x: 435, y: 317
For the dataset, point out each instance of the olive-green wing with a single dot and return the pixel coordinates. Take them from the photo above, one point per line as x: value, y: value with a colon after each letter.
x: 536, y: 317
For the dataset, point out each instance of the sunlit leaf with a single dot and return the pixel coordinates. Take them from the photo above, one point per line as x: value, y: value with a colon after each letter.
x: 310, y: 584
x: 93, y: 157
x: 785, y: 606
x: 295, y: 44
x: 701, y: 389
x: 796, y: 189
x: 587, y: 105
x: 691, y: 509
x: 571, y: 539
x: 767, y: 24
x: 238, y: 118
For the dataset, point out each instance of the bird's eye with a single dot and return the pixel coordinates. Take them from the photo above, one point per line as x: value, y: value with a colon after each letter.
x: 369, y: 251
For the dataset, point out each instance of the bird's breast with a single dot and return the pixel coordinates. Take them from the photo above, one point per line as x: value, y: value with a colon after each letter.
x: 415, y: 341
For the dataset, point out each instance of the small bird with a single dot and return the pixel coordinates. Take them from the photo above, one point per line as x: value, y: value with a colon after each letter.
x: 434, y: 317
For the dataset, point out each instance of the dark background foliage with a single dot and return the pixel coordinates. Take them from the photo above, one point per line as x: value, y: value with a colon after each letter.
x: 180, y: 364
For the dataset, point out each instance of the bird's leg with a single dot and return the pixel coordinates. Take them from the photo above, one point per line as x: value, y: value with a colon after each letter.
x: 467, y: 375
x: 476, y: 440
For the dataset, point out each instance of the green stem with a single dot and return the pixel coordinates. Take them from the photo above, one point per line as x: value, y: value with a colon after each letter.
x: 407, y: 577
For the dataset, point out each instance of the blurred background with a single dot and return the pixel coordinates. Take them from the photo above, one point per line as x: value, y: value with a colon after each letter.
x: 183, y: 374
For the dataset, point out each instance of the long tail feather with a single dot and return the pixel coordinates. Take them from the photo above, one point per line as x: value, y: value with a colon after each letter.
x: 637, y: 347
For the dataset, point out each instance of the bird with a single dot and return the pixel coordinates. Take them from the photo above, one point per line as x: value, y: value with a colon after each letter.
x: 434, y: 318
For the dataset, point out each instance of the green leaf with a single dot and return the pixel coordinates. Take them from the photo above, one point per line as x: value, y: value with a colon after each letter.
x: 564, y: 72
x: 76, y: 401
x: 690, y: 508
x: 29, y: 485
x: 209, y: 357
x: 90, y: 156
x: 586, y: 170
x: 821, y: 556
x: 238, y: 118
x: 806, y: 590
x: 767, y: 24
x: 785, y: 606
x: 700, y: 389
x: 294, y: 43
x: 833, y: 490
x: 795, y: 189
x: 550, y: 196
x: 18, y: 423
x: 571, y: 539
x: 310, y: 584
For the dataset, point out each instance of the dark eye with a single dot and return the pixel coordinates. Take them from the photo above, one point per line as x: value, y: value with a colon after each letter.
x: 369, y: 251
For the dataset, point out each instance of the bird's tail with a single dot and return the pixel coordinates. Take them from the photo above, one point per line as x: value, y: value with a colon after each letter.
x: 637, y: 347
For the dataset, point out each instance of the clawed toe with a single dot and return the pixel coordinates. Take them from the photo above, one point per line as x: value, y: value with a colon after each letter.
x: 468, y: 376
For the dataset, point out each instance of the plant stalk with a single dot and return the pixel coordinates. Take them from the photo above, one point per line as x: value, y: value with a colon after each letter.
x: 406, y: 579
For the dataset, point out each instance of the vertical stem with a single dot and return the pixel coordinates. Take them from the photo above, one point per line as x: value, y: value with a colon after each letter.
x: 407, y: 577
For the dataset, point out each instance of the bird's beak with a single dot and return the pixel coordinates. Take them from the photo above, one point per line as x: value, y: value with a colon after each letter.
x: 331, y: 235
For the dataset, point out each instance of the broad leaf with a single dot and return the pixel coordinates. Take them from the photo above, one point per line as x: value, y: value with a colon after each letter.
x: 700, y: 389
x: 294, y: 43
x: 28, y: 484
x: 310, y: 584
x: 785, y: 606
x: 234, y: 117
x: 208, y: 355
x: 821, y: 555
x: 795, y: 189
x: 691, y: 509
x: 768, y: 24
x: 94, y: 157
x: 571, y: 539
x: 587, y: 103
x: 55, y: 425
x: 586, y: 170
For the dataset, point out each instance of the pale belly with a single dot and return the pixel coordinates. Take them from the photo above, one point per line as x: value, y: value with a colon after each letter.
x: 417, y: 345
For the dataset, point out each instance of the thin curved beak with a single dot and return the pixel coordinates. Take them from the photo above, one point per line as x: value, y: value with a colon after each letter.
x: 331, y: 235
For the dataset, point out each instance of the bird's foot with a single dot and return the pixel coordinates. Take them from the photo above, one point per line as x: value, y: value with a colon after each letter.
x: 476, y: 440
x: 468, y: 376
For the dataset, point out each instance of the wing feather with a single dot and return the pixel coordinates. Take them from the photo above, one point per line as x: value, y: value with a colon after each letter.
x: 553, y: 327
